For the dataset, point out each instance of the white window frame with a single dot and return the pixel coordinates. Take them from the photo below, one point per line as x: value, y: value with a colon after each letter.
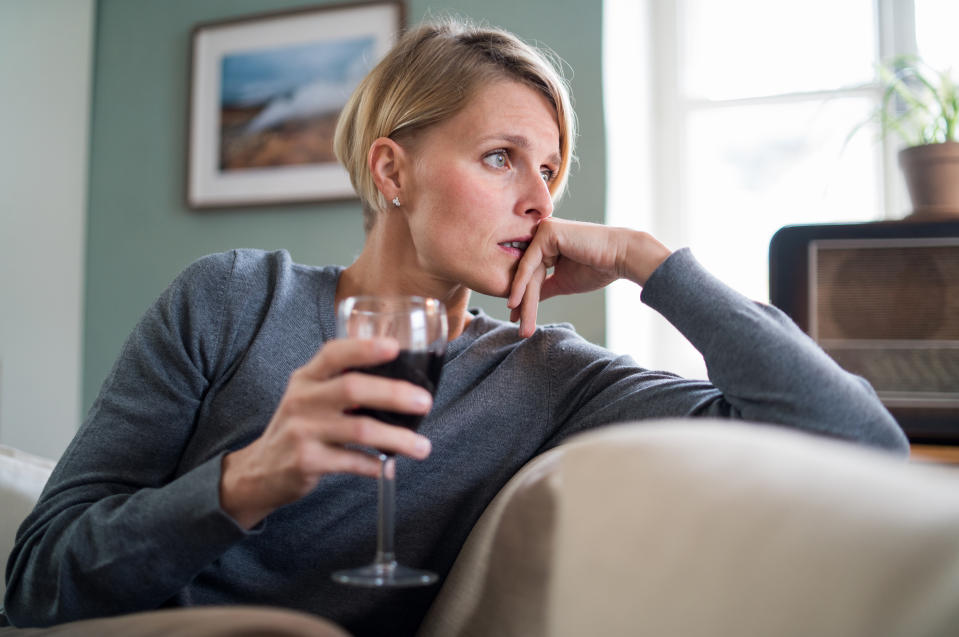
x: 646, y: 139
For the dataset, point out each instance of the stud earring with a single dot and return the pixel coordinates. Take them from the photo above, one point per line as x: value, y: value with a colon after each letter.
x: 396, y: 201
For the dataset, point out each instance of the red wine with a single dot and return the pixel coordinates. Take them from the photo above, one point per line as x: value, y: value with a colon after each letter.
x: 419, y: 368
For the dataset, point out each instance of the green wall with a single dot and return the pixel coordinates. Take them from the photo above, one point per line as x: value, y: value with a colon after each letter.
x: 140, y: 231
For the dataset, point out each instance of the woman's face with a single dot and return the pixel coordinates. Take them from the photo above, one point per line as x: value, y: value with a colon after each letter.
x: 479, y: 185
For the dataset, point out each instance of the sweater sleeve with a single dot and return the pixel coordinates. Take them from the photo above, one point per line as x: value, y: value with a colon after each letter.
x: 117, y: 507
x: 761, y: 366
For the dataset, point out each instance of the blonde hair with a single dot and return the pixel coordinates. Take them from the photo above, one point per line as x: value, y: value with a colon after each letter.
x: 428, y: 77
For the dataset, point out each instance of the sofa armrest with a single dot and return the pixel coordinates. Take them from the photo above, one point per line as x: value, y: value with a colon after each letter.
x: 700, y: 528
x: 22, y: 478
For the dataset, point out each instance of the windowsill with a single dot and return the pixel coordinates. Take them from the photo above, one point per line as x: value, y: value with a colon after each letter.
x: 934, y: 454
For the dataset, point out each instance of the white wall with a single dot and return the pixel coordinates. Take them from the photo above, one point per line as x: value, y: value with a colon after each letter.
x: 46, y: 53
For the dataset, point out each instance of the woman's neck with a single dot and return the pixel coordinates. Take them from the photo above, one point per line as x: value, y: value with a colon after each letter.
x: 388, y: 265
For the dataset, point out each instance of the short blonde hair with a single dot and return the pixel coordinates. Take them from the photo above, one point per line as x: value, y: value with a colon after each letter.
x: 428, y: 77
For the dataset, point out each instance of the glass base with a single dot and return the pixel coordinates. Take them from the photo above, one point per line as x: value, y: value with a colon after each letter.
x: 389, y: 574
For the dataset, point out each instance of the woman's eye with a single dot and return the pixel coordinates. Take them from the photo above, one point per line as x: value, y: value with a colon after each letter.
x: 548, y: 174
x: 497, y: 159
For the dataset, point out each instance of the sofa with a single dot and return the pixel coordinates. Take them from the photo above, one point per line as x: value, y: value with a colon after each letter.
x: 690, y: 528
x: 22, y: 476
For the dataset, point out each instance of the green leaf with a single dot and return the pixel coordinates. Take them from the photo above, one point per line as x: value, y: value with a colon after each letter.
x: 918, y: 103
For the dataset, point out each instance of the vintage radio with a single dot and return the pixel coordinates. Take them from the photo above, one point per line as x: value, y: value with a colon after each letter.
x: 883, y: 300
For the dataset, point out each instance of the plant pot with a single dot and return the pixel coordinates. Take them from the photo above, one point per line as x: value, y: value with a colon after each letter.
x: 932, y: 178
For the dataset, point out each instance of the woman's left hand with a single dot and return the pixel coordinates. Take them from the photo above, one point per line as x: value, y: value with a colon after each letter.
x: 584, y: 257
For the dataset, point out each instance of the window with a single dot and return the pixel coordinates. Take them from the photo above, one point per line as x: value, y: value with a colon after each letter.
x: 727, y: 120
x: 936, y: 22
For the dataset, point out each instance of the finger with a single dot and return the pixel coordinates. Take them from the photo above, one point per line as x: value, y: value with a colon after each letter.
x: 314, y: 398
x: 524, y: 274
x: 339, y: 355
x: 530, y: 304
x: 370, y: 432
x: 356, y: 389
x: 342, y: 460
x: 556, y: 284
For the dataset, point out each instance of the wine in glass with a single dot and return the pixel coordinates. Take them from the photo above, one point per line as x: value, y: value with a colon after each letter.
x: 419, y: 325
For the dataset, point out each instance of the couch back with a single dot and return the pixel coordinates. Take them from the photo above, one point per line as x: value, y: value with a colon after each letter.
x: 710, y: 529
x: 22, y: 477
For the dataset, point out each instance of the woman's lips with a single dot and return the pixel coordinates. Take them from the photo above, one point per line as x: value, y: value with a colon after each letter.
x: 514, y: 247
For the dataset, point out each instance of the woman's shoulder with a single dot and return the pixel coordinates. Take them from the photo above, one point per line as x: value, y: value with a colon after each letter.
x: 218, y: 267
x: 240, y: 261
x: 549, y: 337
x: 484, y: 323
x: 250, y: 282
x: 252, y: 267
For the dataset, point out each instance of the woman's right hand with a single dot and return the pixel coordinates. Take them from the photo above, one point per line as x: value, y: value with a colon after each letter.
x: 304, y: 439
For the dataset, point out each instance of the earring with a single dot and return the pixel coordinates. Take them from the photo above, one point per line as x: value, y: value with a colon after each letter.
x: 396, y: 201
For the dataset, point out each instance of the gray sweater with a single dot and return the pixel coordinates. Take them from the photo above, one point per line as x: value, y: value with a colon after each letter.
x: 130, y: 519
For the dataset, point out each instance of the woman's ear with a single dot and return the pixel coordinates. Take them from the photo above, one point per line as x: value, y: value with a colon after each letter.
x: 387, y: 162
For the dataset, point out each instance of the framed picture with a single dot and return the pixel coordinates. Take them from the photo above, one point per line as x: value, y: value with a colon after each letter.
x: 265, y: 94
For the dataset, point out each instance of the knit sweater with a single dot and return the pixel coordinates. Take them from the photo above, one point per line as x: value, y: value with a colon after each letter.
x: 130, y: 519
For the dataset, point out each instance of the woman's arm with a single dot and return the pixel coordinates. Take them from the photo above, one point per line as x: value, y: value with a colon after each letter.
x: 304, y: 440
x: 115, y: 530
x: 767, y: 369
x: 137, y: 507
x: 764, y: 367
x: 584, y: 257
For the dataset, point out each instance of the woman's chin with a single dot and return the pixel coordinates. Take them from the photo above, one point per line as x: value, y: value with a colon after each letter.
x: 500, y: 289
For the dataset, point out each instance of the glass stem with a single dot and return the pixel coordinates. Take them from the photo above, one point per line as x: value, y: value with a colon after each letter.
x: 385, y: 557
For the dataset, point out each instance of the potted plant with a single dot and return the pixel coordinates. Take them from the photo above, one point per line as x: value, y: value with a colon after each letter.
x: 920, y: 105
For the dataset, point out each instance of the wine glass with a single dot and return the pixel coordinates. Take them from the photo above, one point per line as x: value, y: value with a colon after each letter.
x: 419, y: 325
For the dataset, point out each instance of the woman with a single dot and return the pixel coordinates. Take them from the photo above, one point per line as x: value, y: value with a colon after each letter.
x: 218, y: 465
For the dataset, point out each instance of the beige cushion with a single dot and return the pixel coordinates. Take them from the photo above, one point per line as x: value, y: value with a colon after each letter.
x: 22, y: 477
x: 708, y: 528
x: 198, y: 621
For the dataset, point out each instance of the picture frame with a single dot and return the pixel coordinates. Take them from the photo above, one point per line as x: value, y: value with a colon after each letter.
x: 265, y: 93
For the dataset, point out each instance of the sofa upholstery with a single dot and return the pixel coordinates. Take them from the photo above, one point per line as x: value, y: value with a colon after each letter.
x: 689, y: 528
x: 22, y: 476
x: 702, y: 528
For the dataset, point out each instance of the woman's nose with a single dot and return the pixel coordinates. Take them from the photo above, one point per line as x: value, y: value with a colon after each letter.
x: 537, y: 199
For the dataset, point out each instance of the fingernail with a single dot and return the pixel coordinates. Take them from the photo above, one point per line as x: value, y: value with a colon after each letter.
x: 422, y: 400
x: 384, y: 345
x: 423, y: 445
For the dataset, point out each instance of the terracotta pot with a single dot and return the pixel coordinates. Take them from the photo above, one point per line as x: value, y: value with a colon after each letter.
x: 932, y: 177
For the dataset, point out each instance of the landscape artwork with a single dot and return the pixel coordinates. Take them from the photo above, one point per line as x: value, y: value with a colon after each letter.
x: 266, y: 91
x: 278, y: 107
